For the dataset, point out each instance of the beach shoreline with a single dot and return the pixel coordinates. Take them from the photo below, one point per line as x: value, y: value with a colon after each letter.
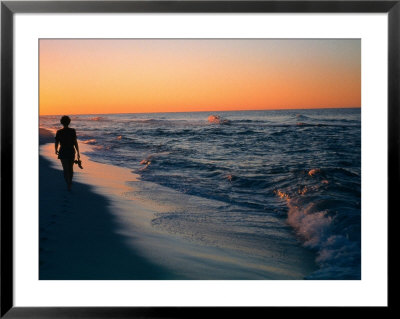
x: 104, y: 229
x: 76, y: 241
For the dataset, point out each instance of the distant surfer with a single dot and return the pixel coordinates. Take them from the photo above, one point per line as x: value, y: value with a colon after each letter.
x: 66, y: 138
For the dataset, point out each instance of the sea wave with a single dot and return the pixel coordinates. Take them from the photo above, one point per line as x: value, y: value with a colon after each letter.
x: 91, y: 141
x: 326, y: 223
x: 216, y: 119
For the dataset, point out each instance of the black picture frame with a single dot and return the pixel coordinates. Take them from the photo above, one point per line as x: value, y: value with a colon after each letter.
x: 9, y: 8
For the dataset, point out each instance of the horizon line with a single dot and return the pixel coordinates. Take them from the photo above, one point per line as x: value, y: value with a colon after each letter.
x: 280, y: 109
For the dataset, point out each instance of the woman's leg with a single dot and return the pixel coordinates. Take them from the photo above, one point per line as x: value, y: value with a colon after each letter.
x: 68, y: 171
x: 65, y: 169
x: 71, y: 165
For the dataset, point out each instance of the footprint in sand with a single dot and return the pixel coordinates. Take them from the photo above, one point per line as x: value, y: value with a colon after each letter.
x: 47, y: 227
x: 44, y: 252
x: 66, y: 207
x: 44, y: 264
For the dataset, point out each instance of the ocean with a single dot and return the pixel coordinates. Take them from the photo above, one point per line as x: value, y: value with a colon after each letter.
x: 245, y: 179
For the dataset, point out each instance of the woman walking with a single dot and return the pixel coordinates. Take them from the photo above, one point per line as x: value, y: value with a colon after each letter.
x: 66, y: 138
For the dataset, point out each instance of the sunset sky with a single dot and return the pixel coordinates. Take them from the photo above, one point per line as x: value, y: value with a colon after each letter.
x: 139, y: 76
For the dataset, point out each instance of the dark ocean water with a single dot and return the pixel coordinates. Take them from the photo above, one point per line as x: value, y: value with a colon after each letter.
x: 295, y: 170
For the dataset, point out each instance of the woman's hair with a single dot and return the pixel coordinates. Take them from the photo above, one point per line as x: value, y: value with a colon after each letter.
x: 65, y: 120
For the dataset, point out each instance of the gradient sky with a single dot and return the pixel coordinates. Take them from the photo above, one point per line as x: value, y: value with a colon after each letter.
x: 131, y: 76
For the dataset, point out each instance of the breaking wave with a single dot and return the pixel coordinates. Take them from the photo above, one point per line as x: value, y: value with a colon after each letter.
x: 327, y: 223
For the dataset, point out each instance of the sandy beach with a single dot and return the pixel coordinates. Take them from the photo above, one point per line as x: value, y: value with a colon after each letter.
x: 77, y: 232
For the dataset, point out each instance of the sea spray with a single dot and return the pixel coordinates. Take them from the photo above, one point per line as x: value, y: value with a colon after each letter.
x: 325, y: 225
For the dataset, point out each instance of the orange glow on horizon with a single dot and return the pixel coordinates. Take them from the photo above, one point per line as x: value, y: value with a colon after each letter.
x: 143, y: 76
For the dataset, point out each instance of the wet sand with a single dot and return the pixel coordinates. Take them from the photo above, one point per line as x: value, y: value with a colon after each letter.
x: 77, y: 237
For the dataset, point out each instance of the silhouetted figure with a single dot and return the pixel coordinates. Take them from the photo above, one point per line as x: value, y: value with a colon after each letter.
x: 66, y: 137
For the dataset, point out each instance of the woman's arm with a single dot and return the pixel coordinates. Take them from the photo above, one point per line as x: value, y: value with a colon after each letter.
x: 77, y: 146
x: 57, y: 141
